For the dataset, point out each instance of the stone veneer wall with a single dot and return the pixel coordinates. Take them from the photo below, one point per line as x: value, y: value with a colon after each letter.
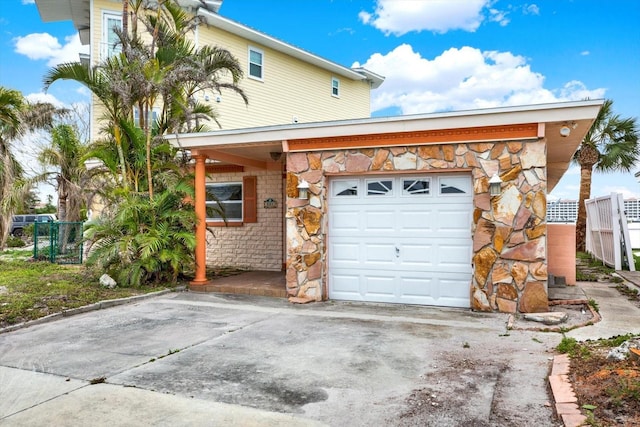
x: 509, y: 231
x: 254, y: 246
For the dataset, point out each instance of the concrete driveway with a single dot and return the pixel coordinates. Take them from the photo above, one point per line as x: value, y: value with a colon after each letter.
x: 204, y: 359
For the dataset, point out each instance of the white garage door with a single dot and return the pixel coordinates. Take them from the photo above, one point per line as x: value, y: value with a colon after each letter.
x: 401, y: 239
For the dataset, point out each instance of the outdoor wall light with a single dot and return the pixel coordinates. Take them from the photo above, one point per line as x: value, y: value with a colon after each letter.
x: 565, y: 130
x: 495, y: 185
x: 303, y: 190
x: 275, y: 155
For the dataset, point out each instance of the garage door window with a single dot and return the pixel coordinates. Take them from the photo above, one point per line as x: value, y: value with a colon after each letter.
x: 454, y: 185
x: 345, y: 187
x: 412, y: 187
x: 382, y: 187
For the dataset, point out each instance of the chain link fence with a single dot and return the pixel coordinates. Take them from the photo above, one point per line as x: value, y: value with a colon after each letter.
x: 58, y: 242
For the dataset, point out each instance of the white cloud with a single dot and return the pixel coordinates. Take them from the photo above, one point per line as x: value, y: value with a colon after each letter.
x: 585, y: 53
x: 462, y: 78
x: 531, y: 9
x: 498, y: 16
x: 43, y: 46
x: 44, y: 97
x: 626, y: 192
x: 402, y: 16
x: 28, y: 1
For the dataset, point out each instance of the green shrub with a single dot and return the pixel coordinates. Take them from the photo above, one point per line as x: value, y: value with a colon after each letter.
x: 146, y: 241
x: 15, y: 242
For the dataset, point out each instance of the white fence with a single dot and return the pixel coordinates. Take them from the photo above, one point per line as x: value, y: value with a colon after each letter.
x: 607, y: 232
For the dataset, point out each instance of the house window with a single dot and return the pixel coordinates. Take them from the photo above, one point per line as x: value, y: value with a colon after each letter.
x: 235, y: 202
x: 110, y: 45
x: 153, y: 117
x: 224, y: 201
x: 256, y: 63
x: 335, y: 87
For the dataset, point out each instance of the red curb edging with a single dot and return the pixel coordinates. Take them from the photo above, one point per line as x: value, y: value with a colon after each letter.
x: 563, y: 395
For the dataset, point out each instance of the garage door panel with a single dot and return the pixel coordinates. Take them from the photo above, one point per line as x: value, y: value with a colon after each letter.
x: 379, y: 221
x: 379, y: 254
x: 418, y: 220
x: 400, y: 247
x: 345, y: 252
x: 380, y: 286
x: 416, y: 287
x: 346, y: 286
x: 346, y: 220
x: 454, y: 220
x: 417, y: 254
x: 458, y: 256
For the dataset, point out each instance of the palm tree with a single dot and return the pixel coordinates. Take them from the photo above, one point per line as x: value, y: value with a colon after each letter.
x: 158, y: 68
x: 610, y: 145
x: 11, y: 106
x: 17, y: 117
x: 66, y: 154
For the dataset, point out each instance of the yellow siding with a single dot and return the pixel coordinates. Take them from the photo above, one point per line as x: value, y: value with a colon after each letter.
x: 290, y: 88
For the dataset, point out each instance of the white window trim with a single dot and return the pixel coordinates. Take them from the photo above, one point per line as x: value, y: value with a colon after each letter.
x: 261, y: 52
x: 104, y: 42
x: 241, y: 201
x: 336, y: 80
x: 154, y: 113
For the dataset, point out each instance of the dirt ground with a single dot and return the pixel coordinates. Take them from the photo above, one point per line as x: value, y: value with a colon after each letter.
x: 607, y: 390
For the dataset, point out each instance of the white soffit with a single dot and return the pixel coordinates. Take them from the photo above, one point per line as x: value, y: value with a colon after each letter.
x: 77, y: 11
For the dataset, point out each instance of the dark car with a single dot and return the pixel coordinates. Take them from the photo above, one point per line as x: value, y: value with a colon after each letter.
x: 19, y: 222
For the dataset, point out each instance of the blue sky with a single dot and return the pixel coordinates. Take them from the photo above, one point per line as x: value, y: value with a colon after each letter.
x: 436, y: 55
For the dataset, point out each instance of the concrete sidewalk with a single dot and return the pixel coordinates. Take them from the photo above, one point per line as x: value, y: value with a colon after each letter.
x: 619, y: 315
x: 213, y: 359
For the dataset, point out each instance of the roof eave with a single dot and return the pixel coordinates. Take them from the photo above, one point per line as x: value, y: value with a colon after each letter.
x: 265, y: 40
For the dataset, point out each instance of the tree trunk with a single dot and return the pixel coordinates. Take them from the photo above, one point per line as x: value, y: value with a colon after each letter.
x: 587, y: 158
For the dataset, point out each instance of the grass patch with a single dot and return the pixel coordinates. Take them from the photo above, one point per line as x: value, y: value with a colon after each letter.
x: 586, y: 277
x: 571, y: 347
x: 32, y: 289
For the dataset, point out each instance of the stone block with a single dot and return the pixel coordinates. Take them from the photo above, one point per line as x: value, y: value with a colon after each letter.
x: 407, y: 161
x: 530, y: 251
x: 534, y: 298
x: 357, y: 162
x: 483, y: 234
x: 506, y: 205
x: 483, y: 262
x: 380, y: 157
x: 297, y: 162
x: 549, y: 318
x: 479, y: 301
x: 506, y: 306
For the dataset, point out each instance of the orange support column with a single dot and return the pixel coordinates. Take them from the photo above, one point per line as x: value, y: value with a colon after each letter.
x: 201, y: 228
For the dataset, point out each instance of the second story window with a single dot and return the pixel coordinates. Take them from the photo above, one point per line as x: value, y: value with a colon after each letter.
x: 110, y: 42
x: 335, y: 87
x: 256, y: 63
x: 152, y: 117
